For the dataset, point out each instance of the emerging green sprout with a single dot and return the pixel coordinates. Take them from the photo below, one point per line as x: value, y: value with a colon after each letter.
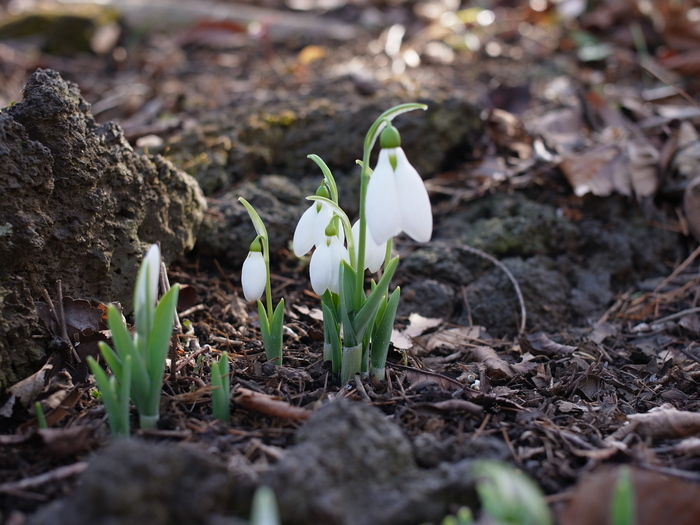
x: 222, y: 387
x: 138, y: 364
x: 264, y: 510
x: 509, y: 496
x: 392, y: 200
x: 255, y: 278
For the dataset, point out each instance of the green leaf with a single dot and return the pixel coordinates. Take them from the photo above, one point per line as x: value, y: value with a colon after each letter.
x: 346, y: 309
x: 330, y: 324
x: 381, y: 336
x: 352, y: 362
x: 274, y: 354
x: 110, y: 399
x: 158, y: 346
x: 254, y: 217
x: 124, y: 345
x: 622, y: 510
x: 220, y: 396
x: 368, y: 311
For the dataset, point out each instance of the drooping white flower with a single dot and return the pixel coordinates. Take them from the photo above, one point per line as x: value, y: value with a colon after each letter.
x: 254, y: 273
x: 324, y: 268
x: 374, y: 253
x: 396, y: 197
x: 311, y: 228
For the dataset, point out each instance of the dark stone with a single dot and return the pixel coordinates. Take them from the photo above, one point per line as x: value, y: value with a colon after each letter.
x: 80, y: 205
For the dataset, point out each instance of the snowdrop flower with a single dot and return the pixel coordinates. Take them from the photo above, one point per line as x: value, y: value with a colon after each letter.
x: 324, y: 268
x: 374, y: 253
x: 311, y: 228
x: 397, y: 200
x: 254, y: 273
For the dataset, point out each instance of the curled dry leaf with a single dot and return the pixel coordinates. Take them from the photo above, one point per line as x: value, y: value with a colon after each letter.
x: 269, y: 405
x: 660, y: 423
x: 539, y: 344
x: 496, y: 368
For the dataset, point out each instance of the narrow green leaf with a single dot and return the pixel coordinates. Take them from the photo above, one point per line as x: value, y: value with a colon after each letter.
x: 258, y: 224
x: 158, y: 346
x: 368, y: 311
x: 111, y: 358
x: 346, y: 309
x: 352, y: 362
x: 381, y: 336
x: 220, y: 396
x: 276, y: 334
x: 124, y: 390
x: 107, y: 388
x: 622, y: 510
x: 330, y: 325
x: 124, y: 345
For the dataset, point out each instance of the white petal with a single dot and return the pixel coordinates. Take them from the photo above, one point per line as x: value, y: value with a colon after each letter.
x: 416, y: 213
x: 382, y: 202
x: 374, y: 253
x: 320, y: 269
x: 254, y: 276
x: 304, y: 233
x: 338, y: 253
x: 323, y: 219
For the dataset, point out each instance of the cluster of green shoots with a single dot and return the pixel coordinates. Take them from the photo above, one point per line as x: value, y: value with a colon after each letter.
x: 357, y: 322
x: 138, y: 361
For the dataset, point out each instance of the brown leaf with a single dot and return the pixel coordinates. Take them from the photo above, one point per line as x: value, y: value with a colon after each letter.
x: 539, y: 344
x: 597, y: 171
x: 269, y: 405
x: 658, y: 499
x: 451, y: 405
x: 416, y: 377
x: 660, y: 423
x: 643, y: 167
x: 496, y: 368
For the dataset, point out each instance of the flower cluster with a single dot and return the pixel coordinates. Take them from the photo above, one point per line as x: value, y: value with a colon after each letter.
x: 393, y: 200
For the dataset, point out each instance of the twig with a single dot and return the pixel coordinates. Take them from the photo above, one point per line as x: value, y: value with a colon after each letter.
x: 53, y: 475
x: 503, y: 267
x: 678, y: 270
x: 361, y: 388
x: 677, y: 315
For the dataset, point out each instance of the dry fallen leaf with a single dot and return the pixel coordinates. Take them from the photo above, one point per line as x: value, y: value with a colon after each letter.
x: 269, y: 405
x: 658, y: 499
x: 597, y: 171
x: 539, y: 344
x: 663, y: 422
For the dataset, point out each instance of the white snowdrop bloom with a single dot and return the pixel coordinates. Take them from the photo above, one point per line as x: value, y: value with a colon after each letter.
x: 397, y: 199
x: 311, y: 228
x: 374, y: 253
x: 254, y: 276
x: 324, y: 268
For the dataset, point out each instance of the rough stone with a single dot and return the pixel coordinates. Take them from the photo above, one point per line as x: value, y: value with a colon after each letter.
x: 133, y: 481
x: 80, y: 205
x: 353, y: 466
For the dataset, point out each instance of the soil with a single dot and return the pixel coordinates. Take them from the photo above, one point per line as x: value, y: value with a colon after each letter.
x: 550, y: 323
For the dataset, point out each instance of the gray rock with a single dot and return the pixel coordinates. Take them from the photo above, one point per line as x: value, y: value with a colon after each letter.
x: 353, y: 466
x: 133, y: 481
x: 80, y: 205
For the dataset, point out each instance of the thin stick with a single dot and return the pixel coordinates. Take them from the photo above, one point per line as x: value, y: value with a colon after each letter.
x: 52, y: 475
x: 62, y: 321
x: 503, y: 267
x: 678, y: 270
